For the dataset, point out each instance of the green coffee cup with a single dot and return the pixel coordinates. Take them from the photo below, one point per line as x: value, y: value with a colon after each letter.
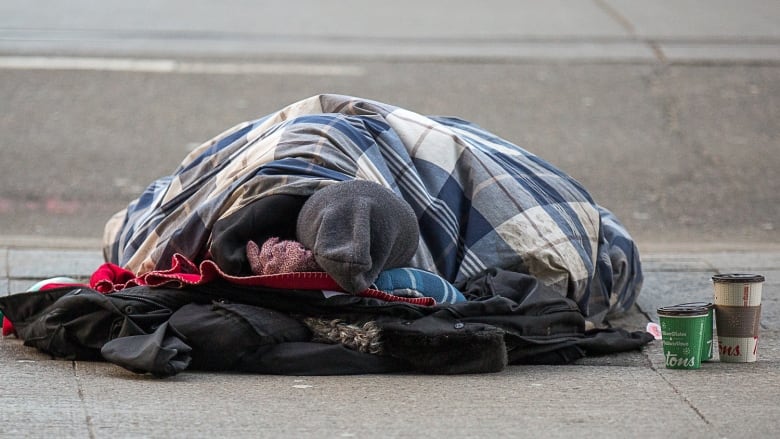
x: 707, y: 346
x: 682, y: 330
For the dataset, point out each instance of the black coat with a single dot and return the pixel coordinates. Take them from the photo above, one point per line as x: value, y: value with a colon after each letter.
x: 509, y: 319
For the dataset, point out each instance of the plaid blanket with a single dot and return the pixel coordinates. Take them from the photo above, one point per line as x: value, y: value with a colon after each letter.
x: 481, y: 201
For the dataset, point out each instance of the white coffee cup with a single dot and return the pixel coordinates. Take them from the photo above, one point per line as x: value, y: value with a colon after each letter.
x: 738, y: 315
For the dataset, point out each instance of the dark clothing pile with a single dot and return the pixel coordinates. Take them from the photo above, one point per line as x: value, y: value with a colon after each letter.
x: 509, y: 318
x: 344, y: 236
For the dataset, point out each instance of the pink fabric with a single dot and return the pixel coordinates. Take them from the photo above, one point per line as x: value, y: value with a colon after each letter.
x: 8, y: 327
x: 109, y: 278
x: 183, y: 272
x: 277, y: 256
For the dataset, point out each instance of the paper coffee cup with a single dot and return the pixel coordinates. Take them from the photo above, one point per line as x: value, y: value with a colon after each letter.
x: 707, y: 348
x: 738, y: 316
x: 682, y: 331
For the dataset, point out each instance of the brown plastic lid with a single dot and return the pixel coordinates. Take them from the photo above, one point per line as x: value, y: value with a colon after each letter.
x: 737, y: 278
x: 685, y: 309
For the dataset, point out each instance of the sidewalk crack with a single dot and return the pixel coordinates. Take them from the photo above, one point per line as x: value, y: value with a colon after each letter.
x: 624, y: 22
x: 629, y: 27
x: 80, y: 389
x: 680, y: 394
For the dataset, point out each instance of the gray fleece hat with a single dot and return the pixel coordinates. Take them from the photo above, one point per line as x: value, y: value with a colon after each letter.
x: 356, y: 229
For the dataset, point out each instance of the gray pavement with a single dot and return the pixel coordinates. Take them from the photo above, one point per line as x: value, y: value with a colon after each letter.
x: 625, y: 395
x: 665, y: 110
x: 682, y: 30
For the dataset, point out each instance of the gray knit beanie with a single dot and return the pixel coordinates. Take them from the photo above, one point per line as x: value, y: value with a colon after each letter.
x: 356, y: 229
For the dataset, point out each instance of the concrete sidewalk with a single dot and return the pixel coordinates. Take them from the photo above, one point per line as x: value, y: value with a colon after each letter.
x: 508, y: 30
x: 626, y: 395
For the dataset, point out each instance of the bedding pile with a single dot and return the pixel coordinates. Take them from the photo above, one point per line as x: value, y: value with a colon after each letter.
x: 344, y: 235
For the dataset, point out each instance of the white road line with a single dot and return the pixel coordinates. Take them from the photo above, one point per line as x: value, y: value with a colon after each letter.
x: 173, y: 66
x: 75, y: 63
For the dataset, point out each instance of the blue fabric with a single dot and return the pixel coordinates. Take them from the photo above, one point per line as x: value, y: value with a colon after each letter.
x: 414, y: 282
x: 481, y: 201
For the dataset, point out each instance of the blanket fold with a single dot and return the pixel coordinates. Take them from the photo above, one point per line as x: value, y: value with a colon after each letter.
x: 480, y: 201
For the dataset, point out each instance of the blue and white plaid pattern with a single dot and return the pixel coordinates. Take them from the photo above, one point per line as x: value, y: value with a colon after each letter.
x: 480, y: 200
x: 412, y: 282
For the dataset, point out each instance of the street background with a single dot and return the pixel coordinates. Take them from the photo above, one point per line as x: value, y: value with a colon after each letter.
x: 665, y: 110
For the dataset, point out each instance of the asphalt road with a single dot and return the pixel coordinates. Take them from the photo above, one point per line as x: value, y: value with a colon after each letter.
x: 682, y: 152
